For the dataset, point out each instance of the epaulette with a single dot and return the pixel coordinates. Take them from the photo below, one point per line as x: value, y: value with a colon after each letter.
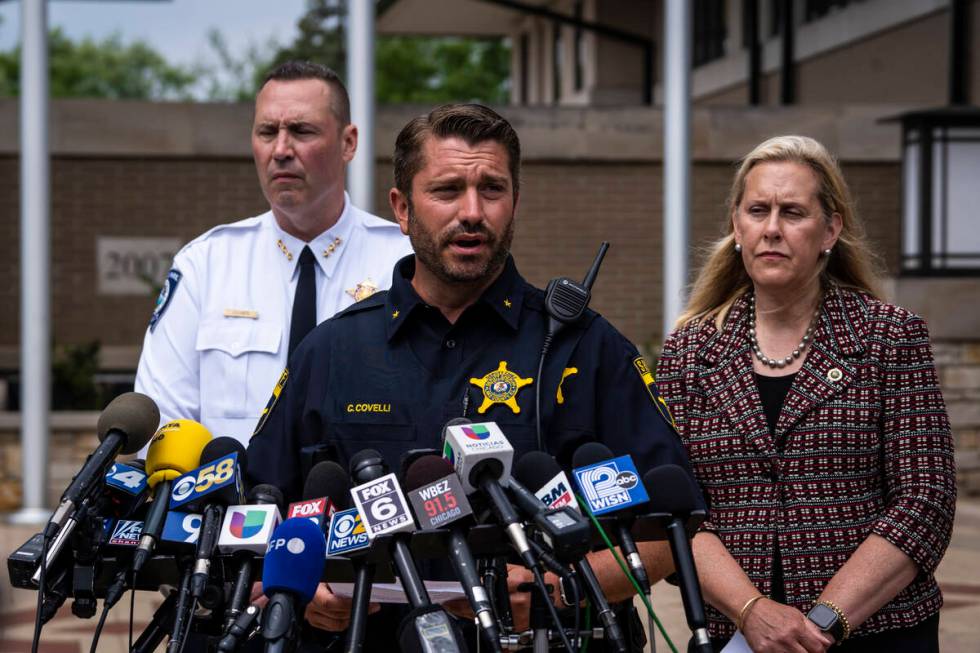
x: 254, y: 222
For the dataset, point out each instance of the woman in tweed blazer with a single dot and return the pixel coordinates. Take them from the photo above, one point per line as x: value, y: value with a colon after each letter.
x: 813, y: 418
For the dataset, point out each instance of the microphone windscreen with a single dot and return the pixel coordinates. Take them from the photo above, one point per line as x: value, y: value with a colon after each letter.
x: 535, y: 469
x: 591, y: 453
x: 671, y: 490
x: 426, y: 470
x: 134, y: 414
x: 456, y: 421
x: 366, y: 465
x: 295, y: 559
x: 223, y: 446
x: 269, y: 495
x: 328, y: 479
x: 175, y: 450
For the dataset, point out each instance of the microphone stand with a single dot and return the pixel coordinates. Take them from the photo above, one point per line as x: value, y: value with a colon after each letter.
x: 161, y: 624
x: 540, y: 618
x: 363, y: 580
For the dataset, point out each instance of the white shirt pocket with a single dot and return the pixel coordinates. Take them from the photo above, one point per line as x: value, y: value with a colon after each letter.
x: 227, y: 347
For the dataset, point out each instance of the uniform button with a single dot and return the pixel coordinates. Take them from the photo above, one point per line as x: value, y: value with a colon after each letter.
x: 450, y: 344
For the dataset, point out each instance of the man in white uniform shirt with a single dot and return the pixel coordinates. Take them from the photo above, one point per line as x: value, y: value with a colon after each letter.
x: 225, y: 321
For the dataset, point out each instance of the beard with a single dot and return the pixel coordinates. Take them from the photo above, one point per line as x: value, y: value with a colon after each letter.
x: 431, y: 250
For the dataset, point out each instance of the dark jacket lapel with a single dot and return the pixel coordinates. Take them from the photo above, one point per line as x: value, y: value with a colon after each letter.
x: 729, y: 383
x: 829, y: 365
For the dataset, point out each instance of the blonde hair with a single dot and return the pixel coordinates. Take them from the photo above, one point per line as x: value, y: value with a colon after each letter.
x: 852, y: 264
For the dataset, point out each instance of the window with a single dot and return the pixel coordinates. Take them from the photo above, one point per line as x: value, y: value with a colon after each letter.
x: 941, y: 155
x: 709, y: 31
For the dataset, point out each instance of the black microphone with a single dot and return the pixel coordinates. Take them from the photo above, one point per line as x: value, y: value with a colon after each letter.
x: 215, y: 503
x: 326, y: 490
x: 674, y: 497
x: 538, y: 470
x: 262, y: 494
x: 126, y: 424
x: 369, y: 471
x: 433, y: 479
x: 383, y: 510
x: 594, y: 452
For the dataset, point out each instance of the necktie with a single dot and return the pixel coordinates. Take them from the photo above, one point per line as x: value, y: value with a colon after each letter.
x: 304, y: 301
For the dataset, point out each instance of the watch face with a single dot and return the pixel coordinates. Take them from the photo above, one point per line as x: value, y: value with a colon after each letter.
x: 822, y: 616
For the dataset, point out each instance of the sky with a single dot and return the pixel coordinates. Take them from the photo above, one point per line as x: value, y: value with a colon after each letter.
x: 175, y: 28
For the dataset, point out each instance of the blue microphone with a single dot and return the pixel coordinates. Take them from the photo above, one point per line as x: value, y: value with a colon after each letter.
x: 292, y: 570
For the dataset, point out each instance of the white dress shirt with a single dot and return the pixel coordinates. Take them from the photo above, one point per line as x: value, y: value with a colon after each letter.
x: 219, y: 336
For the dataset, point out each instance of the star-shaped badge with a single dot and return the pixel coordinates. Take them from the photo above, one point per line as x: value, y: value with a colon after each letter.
x: 500, y: 387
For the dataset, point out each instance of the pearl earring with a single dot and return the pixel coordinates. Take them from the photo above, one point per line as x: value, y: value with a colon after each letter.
x: 738, y: 248
x: 826, y: 252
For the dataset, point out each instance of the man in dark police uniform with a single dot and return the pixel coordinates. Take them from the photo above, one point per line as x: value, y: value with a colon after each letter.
x: 460, y: 334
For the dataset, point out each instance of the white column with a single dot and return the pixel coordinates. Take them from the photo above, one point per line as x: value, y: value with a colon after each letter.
x: 360, y: 83
x: 35, y: 261
x: 677, y: 156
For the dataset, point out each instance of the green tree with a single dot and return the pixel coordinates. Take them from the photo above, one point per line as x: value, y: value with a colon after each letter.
x: 408, y: 69
x: 103, y: 69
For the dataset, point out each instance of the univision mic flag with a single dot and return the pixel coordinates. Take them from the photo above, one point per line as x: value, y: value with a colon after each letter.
x: 248, y: 528
x: 610, y: 485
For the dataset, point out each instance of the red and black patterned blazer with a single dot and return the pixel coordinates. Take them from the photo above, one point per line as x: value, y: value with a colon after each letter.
x: 867, y: 449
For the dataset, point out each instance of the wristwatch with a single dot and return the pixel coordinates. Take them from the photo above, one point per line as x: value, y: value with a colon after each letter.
x: 828, y: 620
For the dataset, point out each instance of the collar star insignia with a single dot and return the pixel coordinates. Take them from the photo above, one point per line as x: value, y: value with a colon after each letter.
x: 507, y: 303
x: 363, y: 290
x: 500, y: 387
x: 394, y: 315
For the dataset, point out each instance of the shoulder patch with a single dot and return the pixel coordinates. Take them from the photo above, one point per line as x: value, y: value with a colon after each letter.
x: 166, y: 294
x: 273, y: 400
x: 651, y: 384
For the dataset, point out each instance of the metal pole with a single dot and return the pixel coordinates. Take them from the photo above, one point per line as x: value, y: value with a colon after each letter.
x: 35, y: 252
x: 677, y: 156
x: 360, y: 81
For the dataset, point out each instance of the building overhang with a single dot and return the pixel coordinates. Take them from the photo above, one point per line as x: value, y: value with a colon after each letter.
x: 448, y: 18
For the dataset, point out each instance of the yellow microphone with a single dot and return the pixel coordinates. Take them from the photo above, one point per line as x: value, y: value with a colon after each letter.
x: 174, y: 450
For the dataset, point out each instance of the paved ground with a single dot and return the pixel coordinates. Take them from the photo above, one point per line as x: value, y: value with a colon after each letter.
x: 959, y: 576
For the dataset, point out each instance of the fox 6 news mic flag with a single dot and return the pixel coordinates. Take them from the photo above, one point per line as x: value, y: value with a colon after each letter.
x: 610, y: 485
x: 382, y: 506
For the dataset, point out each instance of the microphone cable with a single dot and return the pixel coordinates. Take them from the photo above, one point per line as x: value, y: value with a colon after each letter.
x: 40, y: 596
x: 622, y: 565
x: 552, y: 610
x: 132, y: 609
x: 564, y: 573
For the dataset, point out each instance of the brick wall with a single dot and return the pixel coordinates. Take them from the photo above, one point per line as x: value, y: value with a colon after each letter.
x: 566, y: 209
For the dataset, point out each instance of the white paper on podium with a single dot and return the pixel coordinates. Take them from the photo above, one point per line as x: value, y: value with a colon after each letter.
x: 737, y: 644
x: 439, y: 591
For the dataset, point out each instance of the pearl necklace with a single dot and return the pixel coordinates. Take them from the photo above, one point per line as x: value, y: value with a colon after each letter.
x: 780, y: 362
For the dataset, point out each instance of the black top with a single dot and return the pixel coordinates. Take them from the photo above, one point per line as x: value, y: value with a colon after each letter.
x: 773, y: 391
